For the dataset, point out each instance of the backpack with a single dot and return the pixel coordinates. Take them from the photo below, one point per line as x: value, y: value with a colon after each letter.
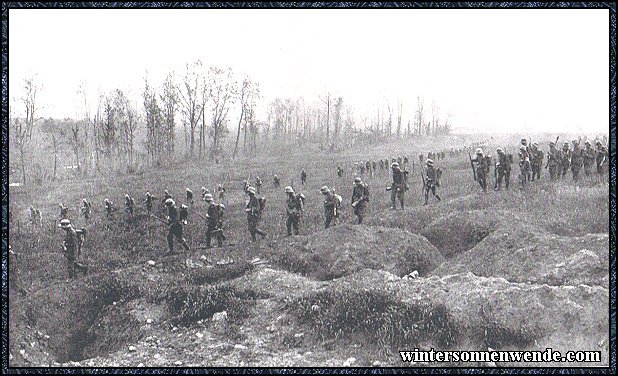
x: 301, y: 198
x: 262, y: 202
x: 183, y: 213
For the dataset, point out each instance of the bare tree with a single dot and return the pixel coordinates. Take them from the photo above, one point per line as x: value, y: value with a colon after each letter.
x: 31, y: 88
x: 169, y: 99
x: 189, y: 91
x: 399, y: 113
x: 222, y: 93
x: 21, y: 130
x: 419, y: 116
x: 243, y: 94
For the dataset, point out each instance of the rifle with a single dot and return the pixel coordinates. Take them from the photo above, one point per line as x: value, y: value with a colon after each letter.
x: 472, y: 164
x: 201, y: 216
x: 548, y: 155
x: 158, y: 219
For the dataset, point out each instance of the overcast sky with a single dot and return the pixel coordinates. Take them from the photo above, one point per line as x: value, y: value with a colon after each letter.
x: 494, y: 70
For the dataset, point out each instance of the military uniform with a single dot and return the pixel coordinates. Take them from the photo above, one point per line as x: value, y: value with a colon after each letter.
x: 368, y: 167
x: 589, y: 156
x: 254, y: 214
x: 189, y: 196
x: 64, y: 212
x: 258, y: 184
x: 215, y: 223
x: 482, y: 167
x: 221, y: 192
x: 174, y: 227
x: 148, y: 202
x: 536, y: 161
x: 431, y: 181
x: 109, y: 208
x: 360, y: 197
x: 553, y: 162
x: 577, y: 160
x: 303, y: 177
x: 504, y: 169
x: 71, y: 248
x: 398, y: 187
x: 524, y: 166
x: 86, y: 209
x: 339, y: 171
x: 331, y: 205
x: 565, y: 161
x: 276, y: 181
x: 601, y: 155
x: 293, y: 210
x: 129, y: 204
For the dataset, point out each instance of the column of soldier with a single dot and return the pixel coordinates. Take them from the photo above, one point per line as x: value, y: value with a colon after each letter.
x: 530, y: 162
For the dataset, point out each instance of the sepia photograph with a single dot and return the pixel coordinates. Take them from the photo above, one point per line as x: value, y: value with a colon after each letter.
x: 310, y: 186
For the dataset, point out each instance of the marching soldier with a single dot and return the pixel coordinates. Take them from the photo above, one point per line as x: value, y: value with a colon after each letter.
x: 374, y: 166
x: 577, y: 160
x: 254, y: 213
x: 258, y: 184
x: 221, y: 192
x: 432, y: 180
x: 204, y: 192
x: 339, y: 171
x: 129, y: 204
x: 481, y: 169
x: 420, y: 159
x: 536, y: 161
x: 149, y: 201
x: 293, y: 210
x: 70, y: 247
x: 524, y: 165
x: 381, y: 165
x: 189, y: 196
x: 566, y: 158
x: 35, y: 216
x: 331, y: 206
x: 109, y: 207
x: 553, y: 162
x: 601, y: 155
x: 368, y: 167
x: 86, y: 209
x: 589, y: 156
x: 64, y: 211
x: 214, y: 221
x: 362, y: 168
x: 398, y: 187
x: 276, y: 181
x: 503, y: 165
x: 303, y: 177
x: 360, y: 197
x: 175, y: 226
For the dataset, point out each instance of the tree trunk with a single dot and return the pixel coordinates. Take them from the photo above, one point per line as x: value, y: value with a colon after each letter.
x: 242, y: 113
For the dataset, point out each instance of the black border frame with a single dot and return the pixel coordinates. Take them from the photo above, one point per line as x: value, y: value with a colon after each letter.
x: 330, y: 5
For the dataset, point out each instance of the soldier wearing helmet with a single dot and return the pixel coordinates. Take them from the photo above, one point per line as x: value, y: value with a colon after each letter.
x: 258, y: 184
x: 71, y: 248
x: 303, y: 177
x: 482, y: 167
x: 565, y: 161
x: 536, y: 161
x: 360, y: 198
x: 129, y: 204
x: 577, y: 160
x: 503, y: 165
x: 166, y: 196
x: 64, y: 211
x: 554, y: 159
x: 524, y: 166
x: 109, y: 207
x: 293, y: 210
x: 601, y: 155
x: 149, y: 201
x: 86, y: 208
x: 276, y: 181
x: 254, y: 213
x: 339, y: 171
x: 221, y: 191
x: 398, y: 187
x: 174, y: 226
x: 331, y: 206
x: 189, y: 196
x: 214, y: 221
x: 589, y: 156
x: 432, y: 180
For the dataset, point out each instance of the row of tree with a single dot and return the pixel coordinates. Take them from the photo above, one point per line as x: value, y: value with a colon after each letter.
x: 197, y: 107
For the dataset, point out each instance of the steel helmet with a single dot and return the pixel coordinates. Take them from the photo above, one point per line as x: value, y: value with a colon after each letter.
x: 169, y: 202
x: 324, y: 189
x: 208, y: 197
x: 479, y: 151
x: 499, y: 151
x: 65, y: 223
x: 289, y: 189
x: 251, y: 190
x: 394, y: 164
x: 429, y: 162
x: 357, y: 180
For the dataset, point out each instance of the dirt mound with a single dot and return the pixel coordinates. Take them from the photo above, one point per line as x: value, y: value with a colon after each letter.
x: 520, y: 253
x: 459, y: 311
x: 460, y: 231
x: 342, y: 250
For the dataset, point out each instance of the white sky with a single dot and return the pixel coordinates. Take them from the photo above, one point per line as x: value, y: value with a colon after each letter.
x: 495, y: 70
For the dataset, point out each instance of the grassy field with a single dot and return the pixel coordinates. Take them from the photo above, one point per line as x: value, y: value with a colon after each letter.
x: 455, y: 225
